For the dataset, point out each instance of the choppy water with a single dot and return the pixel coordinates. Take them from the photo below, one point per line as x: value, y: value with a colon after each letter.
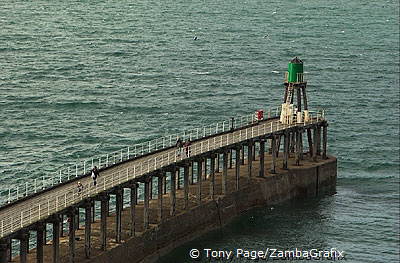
x: 85, y: 77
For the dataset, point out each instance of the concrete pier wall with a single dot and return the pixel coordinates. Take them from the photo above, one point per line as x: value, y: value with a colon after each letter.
x: 309, y: 180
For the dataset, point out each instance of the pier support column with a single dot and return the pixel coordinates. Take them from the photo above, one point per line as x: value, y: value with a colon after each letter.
x: 147, y: 181
x: 165, y: 184
x: 173, y: 192
x: 3, y: 251
x: 278, y: 145
x: 186, y: 185
x: 324, y: 140
x: 199, y: 179
x: 24, y: 246
x: 103, y: 221
x: 315, y: 144
x: 310, y: 143
x: 71, y: 244
x: 285, y: 150
x: 225, y: 173
x: 118, y: 214
x: 212, y: 176
x: 88, y: 227
x: 273, y: 154
x: 298, y: 147
x: 292, y: 141
x: 56, y: 237
x: 178, y: 178
x: 62, y: 226
x: 217, y: 163
x: 250, y: 157
x: 160, y: 195
x: 253, y: 154
x: 262, y: 157
x: 318, y: 140
x: 230, y: 158
x: 242, y: 155
x: 133, y: 201
x: 237, y: 166
x: 39, y: 242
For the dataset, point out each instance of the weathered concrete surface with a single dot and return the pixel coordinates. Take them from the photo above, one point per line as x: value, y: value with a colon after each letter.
x: 304, y: 181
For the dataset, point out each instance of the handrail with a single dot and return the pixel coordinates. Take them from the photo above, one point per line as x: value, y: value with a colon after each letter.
x: 15, y: 220
x: 81, y: 168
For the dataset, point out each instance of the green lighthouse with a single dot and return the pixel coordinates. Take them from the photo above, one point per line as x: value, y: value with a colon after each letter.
x: 295, y: 86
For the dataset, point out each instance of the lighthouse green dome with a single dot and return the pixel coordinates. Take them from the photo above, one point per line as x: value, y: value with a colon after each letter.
x: 294, y: 67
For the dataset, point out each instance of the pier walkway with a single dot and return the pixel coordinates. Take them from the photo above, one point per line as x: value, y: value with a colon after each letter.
x: 32, y: 213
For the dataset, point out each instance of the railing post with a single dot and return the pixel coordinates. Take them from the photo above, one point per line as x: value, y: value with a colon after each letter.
x: 128, y: 152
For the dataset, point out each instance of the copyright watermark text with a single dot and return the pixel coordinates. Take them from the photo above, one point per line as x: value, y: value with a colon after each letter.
x: 268, y: 254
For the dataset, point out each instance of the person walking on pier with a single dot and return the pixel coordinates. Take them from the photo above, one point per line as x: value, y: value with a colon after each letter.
x: 95, y: 174
x: 179, y: 145
x: 80, y: 187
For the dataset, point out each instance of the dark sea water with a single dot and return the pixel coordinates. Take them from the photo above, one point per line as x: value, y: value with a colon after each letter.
x: 79, y: 78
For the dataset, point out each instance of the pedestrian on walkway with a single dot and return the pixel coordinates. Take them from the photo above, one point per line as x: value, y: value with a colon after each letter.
x: 179, y: 145
x: 95, y: 174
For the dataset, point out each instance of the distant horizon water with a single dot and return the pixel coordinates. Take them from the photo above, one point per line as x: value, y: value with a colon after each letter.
x: 79, y: 79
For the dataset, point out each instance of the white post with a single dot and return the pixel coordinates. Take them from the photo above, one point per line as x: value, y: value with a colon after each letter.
x: 170, y: 140
x: 197, y: 133
x: 204, y: 132
x: 26, y: 189
x: 17, y: 192
x: 60, y: 176
x: 149, y: 146
x: 76, y: 170
x: 223, y: 126
x: 107, y: 160
x: 216, y: 129
x: 9, y: 195
x: 92, y: 163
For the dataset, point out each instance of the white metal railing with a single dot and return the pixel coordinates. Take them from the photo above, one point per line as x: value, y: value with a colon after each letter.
x: 299, y: 78
x: 20, y: 216
x: 83, y: 167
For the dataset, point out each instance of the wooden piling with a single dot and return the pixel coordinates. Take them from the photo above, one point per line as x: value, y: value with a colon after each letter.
x: 315, y: 144
x: 262, y: 157
x: 273, y: 154
x: 23, y: 246
x: 212, y: 177
x: 237, y: 167
x: 71, y: 244
x: 160, y: 191
x: 225, y: 173
x: 186, y: 185
x: 88, y: 228
x: 103, y: 220
x: 56, y: 237
x: 3, y: 251
x: 119, y: 193
x: 310, y: 143
x: 133, y: 202
x: 199, y: 179
x: 285, y: 150
x: 324, y: 140
x: 173, y: 191
x: 147, y: 181
x: 249, y: 158
x: 39, y: 242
